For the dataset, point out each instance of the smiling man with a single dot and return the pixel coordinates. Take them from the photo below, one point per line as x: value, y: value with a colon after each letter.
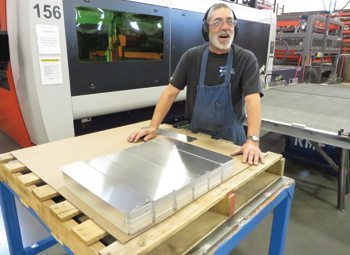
x: 222, y: 81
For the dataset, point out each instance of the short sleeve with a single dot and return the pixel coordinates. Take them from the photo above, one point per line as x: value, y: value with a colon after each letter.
x: 250, y: 80
x: 180, y: 76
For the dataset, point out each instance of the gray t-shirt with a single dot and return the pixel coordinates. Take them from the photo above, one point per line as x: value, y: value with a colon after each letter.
x: 244, y: 81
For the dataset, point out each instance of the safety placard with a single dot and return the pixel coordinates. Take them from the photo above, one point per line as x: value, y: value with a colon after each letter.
x: 51, y: 70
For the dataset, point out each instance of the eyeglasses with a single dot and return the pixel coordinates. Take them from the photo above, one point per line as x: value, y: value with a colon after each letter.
x: 219, y: 22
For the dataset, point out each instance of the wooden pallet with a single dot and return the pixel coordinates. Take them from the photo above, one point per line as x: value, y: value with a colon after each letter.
x: 175, y: 235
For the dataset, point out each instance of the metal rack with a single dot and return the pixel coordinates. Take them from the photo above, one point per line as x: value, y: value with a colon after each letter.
x: 344, y: 17
x: 310, y: 41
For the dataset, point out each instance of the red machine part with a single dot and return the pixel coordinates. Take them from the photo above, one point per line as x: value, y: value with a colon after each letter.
x: 3, y: 24
x: 11, y: 120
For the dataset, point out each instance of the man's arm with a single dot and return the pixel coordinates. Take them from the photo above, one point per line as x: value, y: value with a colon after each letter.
x: 253, y: 108
x: 250, y: 150
x: 165, y: 101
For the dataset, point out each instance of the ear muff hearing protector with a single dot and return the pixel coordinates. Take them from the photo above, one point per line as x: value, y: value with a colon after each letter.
x: 205, y: 25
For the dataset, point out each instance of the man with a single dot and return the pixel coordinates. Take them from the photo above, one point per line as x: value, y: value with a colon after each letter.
x: 221, y: 78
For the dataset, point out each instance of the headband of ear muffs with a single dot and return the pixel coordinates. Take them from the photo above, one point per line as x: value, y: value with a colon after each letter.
x: 205, y: 25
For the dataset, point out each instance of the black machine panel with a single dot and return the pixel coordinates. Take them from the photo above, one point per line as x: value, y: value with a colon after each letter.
x: 4, y: 60
x: 132, y: 63
x: 186, y: 27
x: 260, y: 44
x: 4, y: 47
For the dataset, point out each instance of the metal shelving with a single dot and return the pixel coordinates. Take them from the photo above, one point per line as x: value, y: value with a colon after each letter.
x: 310, y: 41
x: 344, y: 18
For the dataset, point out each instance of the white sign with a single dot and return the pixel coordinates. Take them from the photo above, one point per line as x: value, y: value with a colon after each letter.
x: 48, y: 39
x: 51, y: 70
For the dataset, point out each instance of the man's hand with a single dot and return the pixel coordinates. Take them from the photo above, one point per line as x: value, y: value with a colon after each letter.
x: 147, y: 134
x: 251, y: 153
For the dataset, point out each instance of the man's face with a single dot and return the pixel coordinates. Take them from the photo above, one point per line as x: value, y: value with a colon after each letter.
x: 221, y: 30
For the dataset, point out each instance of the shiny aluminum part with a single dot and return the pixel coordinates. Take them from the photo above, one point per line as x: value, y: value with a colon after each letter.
x: 164, y: 180
x: 177, y: 136
x: 141, y: 175
x: 134, y: 210
x: 144, y: 161
x: 183, y: 196
x: 164, y: 207
x: 214, y: 178
x: 109, y: 190
x: 227, y: 171
x: 172, y: 160
x: 141, y: 217
x: 150, y: 179
x: 195, y: 150
x: 200, y: 186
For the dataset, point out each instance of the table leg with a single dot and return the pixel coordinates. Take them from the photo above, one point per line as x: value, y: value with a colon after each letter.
x: 347, y: 164
x: 9, y: 214
x: 342, y: 179
x: 280, y: 225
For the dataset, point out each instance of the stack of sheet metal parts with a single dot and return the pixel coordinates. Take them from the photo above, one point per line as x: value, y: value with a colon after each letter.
x: 144, y: 184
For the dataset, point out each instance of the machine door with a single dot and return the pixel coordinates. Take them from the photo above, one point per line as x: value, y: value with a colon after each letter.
x: 186, y: 27
x: 259, y: 30
x: 116, y: 45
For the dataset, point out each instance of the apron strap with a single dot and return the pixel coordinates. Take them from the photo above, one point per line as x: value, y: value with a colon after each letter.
x: 229, y: 67
x: 203, y: 66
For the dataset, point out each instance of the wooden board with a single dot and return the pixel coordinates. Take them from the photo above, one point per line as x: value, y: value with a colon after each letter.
x: 34, y: 173
x: 83, y: 236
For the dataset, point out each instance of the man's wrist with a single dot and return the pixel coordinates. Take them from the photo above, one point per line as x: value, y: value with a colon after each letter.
x: 152, y: 129
x: 253, y: 138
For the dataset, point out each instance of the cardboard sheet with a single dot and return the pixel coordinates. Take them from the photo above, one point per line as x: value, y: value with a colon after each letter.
x: 46, y: 161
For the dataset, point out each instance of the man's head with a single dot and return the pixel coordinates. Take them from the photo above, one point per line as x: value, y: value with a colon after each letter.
x: 219, y: 26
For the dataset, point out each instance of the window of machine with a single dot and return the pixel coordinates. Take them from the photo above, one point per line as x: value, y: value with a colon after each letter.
x: 112, y: 36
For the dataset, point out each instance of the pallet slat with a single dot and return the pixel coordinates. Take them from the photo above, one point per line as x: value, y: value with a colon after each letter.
x: 5, y: 157
x: 48, y: 203
x: 64, y: 210
x: 69, y: 224
x: 29, y: 179
x: 89, y: 232
x: 14, y: 166
x: 180, y: 243
x: 96, y: 247
x: 45, y: 192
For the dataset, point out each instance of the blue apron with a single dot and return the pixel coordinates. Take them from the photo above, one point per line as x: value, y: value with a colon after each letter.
x: 213, y: 112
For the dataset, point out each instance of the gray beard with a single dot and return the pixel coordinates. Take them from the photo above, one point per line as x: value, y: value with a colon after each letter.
x: 214, y: 39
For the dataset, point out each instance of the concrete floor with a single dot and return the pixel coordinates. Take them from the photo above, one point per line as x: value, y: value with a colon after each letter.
x: 316, y: 227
